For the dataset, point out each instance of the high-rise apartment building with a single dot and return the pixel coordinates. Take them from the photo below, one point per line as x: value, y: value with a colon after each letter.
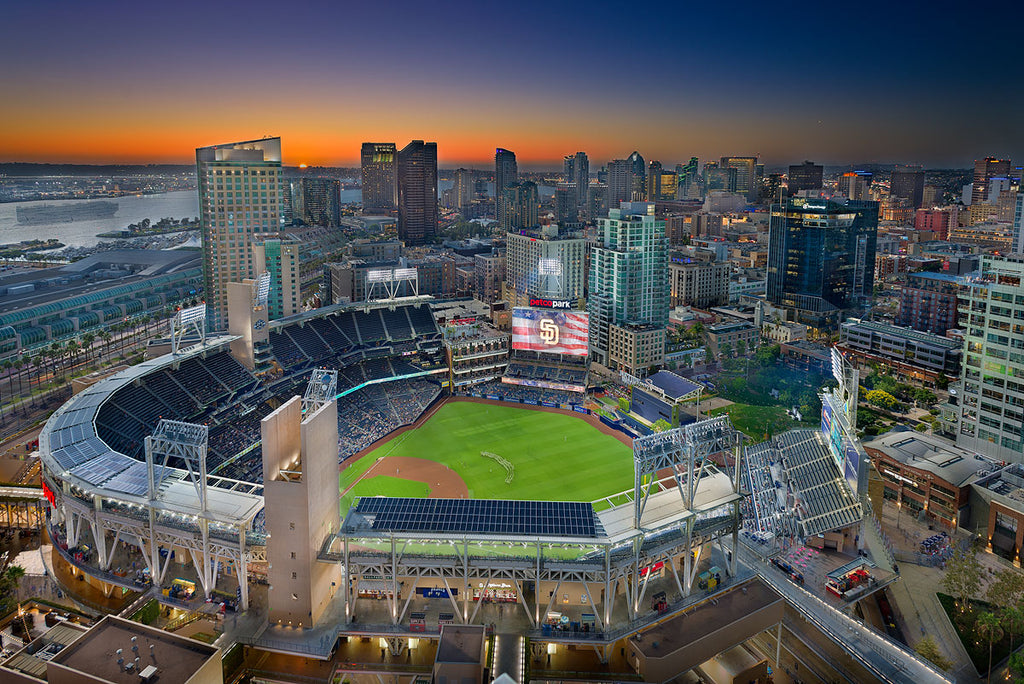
x: 548, y: 263
x: 992, y: 396
x: 746, y: 175
x: 1017, y: 246
x: 506, y: 174
x: 628, y: 298
x: 239, y: 205
x: 577, y: 174
x: 379, y: 163
x: 719, y: 178
x: 806, y: 176
x: 984, y: 171
x: 417, y: 192
x: 566, y: 210
x: 669, y: 185
x: 907, y: 185
x: 936, y: 220
x: 620, y: 182
x: 688, y: 172
x: 316, y: 201
x: 821, y: 258
x: 464, y: 187
x: 654, y: 171
x: 521, y: 205
x: 282, y: 260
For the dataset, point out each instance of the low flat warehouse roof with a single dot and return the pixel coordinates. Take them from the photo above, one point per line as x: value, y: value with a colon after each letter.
x: 175, y: 658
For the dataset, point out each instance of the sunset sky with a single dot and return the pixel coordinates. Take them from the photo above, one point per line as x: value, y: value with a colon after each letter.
x: 938, y: 84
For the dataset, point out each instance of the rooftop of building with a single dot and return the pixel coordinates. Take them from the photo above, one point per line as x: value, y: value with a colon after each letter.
x: 32, y: 659
x: 176, y: 658
x: 932, y: 275
x: 930, y: 453
x: 1007, y: 482
x: 902, y: 332
x: 730, y: 326
x: 672, y: 385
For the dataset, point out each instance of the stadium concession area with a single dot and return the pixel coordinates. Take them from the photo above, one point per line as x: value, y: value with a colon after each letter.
x: 93, y: 451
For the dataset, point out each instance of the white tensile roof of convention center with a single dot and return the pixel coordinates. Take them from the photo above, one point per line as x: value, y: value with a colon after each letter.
x: 70, y: 446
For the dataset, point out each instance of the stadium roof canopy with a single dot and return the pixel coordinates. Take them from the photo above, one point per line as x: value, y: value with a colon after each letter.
x: 69, y: 445
x: 673, y: 386
x: 823, y: 500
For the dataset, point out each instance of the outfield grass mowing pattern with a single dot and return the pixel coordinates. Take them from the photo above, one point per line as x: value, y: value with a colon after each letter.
x: 556, y: 457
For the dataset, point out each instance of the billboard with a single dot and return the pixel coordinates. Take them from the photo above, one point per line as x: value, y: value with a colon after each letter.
x: 552, y: 331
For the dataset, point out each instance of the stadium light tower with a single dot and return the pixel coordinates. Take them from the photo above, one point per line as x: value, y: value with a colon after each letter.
x: 548, y: 271
x: 186, y: 320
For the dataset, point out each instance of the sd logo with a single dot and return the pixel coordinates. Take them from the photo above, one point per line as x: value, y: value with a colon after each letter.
x: 549, y: 332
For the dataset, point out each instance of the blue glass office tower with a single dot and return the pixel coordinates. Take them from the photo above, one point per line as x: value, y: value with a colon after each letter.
x: 821, y: 258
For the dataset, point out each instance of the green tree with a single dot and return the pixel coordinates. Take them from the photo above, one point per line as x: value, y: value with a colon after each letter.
x: 963, y: 576
x: 661, y: 425
x: 929, y: 650
x: 1006, y: 589
x: 990, y: 627
x: 1013, y: 620
x: 741, y: 347
x: 1016, y: 665
x: 768, y: 354
x: 942, y: 382
x: 882, y: 399
x: 725, y: 350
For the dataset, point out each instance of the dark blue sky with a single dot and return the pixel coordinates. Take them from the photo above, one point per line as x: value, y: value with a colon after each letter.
x: 937, y: 83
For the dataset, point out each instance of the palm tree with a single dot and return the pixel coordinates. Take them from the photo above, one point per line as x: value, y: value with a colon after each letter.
x: 989, y: 625
x: 1013, y: 618
x: 73, y: 349
x: 88, y: 339
x: 105, y: 336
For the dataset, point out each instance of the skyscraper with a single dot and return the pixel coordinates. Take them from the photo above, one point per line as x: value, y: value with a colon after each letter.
x: 985, y: 170
x: 521, y: 205
x: 746, y: 175
x: 620, y: 181
x: 821, y: 258
x: 638, y: 178
x: 317, y: 201
x: 992, y: 398
x: 465, y: 182
x: 806, y: 176
x: 577, y: 173
x: 907, y: 185
x: 654, y: 171
x: 506, y: 174
x: 282, y: 260
x: 380, y: 179
x: 239, y: 204
x: 628, y: 300
x: 417, y: 192
x: 1017, y: 246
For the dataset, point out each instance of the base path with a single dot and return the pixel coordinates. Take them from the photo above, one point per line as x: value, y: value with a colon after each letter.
x: 444, y: 483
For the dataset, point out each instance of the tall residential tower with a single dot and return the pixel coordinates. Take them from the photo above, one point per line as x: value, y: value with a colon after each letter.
x: 240, y: 195
x: 417, y: 192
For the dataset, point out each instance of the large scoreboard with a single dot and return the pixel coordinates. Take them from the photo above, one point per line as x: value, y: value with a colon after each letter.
x: 839, y: 423
x: 550, y: 330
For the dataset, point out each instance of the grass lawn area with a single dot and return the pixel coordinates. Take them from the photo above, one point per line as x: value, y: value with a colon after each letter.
x: 964, y: 624
x: 754, y: 421
x: 556, y: 457
x: 384, y: 485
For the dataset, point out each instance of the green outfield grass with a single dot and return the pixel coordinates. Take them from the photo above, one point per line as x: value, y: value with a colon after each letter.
x: 384, y: 485
x: 556, y: 457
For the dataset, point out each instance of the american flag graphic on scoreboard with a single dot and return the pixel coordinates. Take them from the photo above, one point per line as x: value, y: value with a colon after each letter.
x: 555, y: 332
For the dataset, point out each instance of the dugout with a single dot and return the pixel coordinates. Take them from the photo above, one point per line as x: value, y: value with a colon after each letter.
x: 662, y: 397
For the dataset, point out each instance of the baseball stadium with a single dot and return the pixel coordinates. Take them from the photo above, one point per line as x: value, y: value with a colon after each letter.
x: 362, y: 471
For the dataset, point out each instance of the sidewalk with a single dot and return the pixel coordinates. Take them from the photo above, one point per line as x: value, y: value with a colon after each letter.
x: 923, y: 615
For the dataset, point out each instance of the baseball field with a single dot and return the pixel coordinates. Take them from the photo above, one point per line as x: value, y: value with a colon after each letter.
x: 489, y: 451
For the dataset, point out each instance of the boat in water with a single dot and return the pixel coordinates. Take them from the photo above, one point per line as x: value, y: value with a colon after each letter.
x: 66, y: 213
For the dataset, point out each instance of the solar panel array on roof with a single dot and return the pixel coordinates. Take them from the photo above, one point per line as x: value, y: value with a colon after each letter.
x: 673, y: 385
x: 471, y: 516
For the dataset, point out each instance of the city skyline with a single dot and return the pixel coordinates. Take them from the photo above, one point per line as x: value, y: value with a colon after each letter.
x: 113, y: 84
